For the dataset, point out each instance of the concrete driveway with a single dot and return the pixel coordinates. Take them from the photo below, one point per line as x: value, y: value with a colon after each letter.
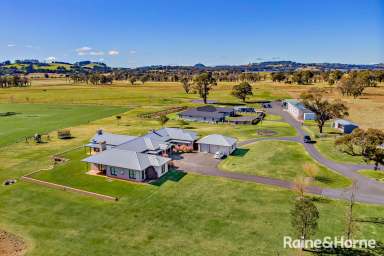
x: 197, y: 162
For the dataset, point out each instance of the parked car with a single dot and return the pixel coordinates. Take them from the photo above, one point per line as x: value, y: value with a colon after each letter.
x: 219, y: 155
x: 307, y: 139
x: 267, y: 105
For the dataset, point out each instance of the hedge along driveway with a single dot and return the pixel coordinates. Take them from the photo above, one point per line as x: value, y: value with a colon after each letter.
x: 29, y: 119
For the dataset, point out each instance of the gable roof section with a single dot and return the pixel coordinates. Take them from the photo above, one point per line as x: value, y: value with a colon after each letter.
x: 217, y: 139
x: 167, y: 134
x: 142, y: 144
x: 126, y: 159
x: 111, y: 139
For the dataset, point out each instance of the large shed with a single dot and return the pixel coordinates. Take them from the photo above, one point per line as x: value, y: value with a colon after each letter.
x: 344, y: 125
x: 217, y: 143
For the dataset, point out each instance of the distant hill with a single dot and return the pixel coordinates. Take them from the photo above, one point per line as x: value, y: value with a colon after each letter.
x: 34, y: 66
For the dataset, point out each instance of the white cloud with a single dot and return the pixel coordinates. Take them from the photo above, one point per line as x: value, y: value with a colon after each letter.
x: 11, y: 45
x: 84, y: 49
x: 132, y: 52
x: 113, y: 52
x: 29, y: 46
x: 96, y: 53
x: 50, y: 59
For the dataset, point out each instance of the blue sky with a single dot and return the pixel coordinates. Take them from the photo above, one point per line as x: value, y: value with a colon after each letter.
x: 186, y: 32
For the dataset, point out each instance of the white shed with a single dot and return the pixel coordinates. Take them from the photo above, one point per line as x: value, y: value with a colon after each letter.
x: 217, y: 143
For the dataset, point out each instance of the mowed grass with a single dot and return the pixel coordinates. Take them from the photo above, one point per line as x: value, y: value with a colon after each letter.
x: 376, y: 175
x: 196, y: 215
x: 42, y: 118
x: 279, y: 159
x: 325, y: 143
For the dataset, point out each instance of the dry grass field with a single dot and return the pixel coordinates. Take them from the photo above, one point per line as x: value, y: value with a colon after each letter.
x: 367, y: 110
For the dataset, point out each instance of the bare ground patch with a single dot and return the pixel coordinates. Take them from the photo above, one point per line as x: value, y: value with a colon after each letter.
x: 11, y: 245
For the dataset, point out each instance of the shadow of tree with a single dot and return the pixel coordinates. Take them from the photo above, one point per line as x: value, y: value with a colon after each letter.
x: 323, y: 179
x: 374, y: 220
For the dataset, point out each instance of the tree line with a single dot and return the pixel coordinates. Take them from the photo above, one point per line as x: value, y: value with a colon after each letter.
x: 14, y: 81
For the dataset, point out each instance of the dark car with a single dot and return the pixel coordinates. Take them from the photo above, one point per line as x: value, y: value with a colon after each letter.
x: 267, y: 105
x: 307, y: 139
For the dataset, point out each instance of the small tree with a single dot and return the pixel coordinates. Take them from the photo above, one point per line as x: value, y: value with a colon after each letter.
x: 304, y: 217
x: 163, y: 119
x: 132, y: 80
x: 144, y: 78
x: 186, y: 85
x: 311, y: 170
x: 324, y: 110
x: 242, y: 91
x: 350, y: 222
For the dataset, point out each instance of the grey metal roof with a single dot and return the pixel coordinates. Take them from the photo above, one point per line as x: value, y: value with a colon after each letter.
x: 298, y: 105
x: 110, y: 138
x: 210, y: 108
x: 167, y: 134
x: 344, y: 122
x: 217, y: 139
x: 126, y: 159
x: 142, y: 144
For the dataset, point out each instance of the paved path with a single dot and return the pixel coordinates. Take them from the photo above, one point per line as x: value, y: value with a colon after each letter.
x: 369, y: 190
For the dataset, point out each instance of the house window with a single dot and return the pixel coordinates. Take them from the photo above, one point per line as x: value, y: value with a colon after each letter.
x: 131, y: 174
x: 163, y: 169
x: 143, y: 175
x: 113, y: 171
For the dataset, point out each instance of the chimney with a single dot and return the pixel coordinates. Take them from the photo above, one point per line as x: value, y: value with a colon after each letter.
x: 103, y: 145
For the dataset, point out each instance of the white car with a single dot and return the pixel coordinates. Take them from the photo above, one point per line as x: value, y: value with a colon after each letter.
x: 219, y: 155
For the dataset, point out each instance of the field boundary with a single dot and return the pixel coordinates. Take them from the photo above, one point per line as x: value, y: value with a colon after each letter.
x: 29, y: 179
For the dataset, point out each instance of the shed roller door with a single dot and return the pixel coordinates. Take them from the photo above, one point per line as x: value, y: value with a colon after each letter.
x: 214, y: 148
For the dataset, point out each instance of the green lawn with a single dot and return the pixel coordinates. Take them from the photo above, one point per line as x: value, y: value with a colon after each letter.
x: 325, y: 143
x: 377, y: 175
x: 41, y: 118
x: 196, y: 215
x: 279, y: 159
x: 327, y: 148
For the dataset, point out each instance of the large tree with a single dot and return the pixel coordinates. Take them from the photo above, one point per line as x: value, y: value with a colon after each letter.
x: 354, y: 84
x: 324, y: 109
x: 367, y: 143
x: 203, y: 83
x: 304, y: 217
x: 242, y: 91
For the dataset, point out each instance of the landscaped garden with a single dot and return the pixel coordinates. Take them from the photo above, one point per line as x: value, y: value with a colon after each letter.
x: 280, y: 159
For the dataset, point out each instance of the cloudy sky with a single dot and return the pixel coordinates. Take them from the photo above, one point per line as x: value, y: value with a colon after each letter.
x: 169, y: 32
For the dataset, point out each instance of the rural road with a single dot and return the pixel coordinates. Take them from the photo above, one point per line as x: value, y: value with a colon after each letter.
x: 369, y: 190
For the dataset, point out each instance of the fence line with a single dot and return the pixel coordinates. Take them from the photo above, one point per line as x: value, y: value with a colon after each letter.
x: 66, y: 188
x: 28, y: 178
